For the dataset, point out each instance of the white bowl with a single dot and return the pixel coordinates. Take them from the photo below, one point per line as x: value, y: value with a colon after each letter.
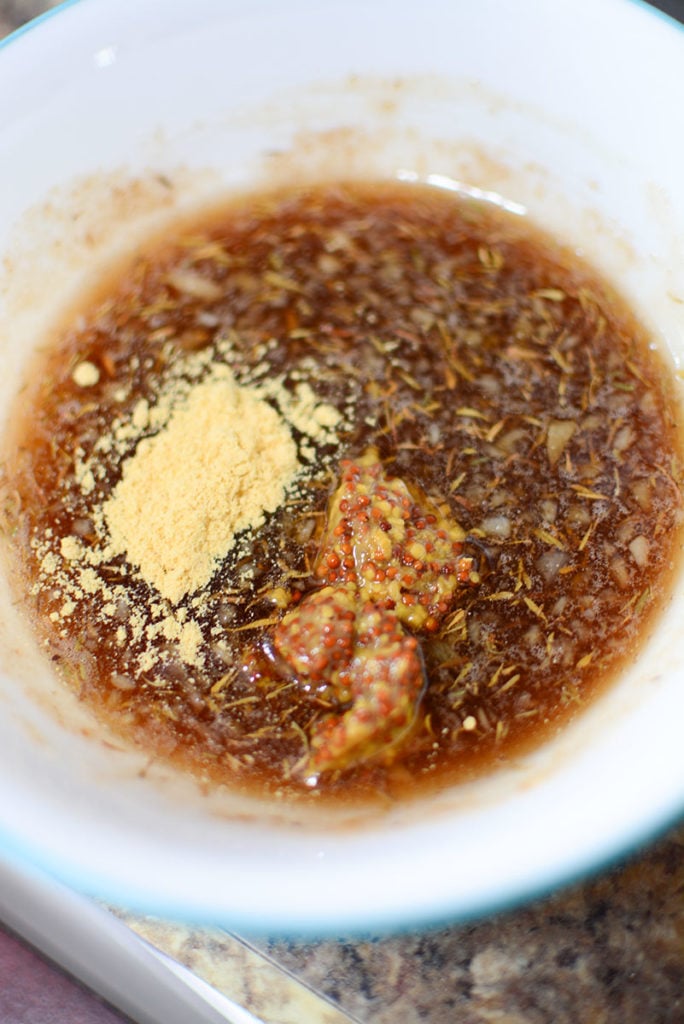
x: 572, y: 110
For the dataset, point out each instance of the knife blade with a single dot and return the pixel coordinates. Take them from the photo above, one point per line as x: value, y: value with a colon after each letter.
x: 132, y: 973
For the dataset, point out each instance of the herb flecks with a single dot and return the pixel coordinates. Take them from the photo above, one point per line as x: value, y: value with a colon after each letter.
x: 485, y: 372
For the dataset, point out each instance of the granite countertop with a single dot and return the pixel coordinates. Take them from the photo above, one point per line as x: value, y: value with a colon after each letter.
x: 606, y: 951
x: 609, y: 951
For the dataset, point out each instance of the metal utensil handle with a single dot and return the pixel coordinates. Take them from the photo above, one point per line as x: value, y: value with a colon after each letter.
x: 104, y: 954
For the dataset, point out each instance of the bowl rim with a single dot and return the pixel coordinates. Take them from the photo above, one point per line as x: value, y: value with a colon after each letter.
x: 432, y: 915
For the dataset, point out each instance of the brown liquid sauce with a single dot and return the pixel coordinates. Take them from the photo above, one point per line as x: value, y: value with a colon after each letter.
x: 485, y: 367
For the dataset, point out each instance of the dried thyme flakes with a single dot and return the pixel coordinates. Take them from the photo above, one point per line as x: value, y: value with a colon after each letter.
x: 172, y: 487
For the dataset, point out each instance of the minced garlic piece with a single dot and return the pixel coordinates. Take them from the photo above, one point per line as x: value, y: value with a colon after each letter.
x: 85, y: 374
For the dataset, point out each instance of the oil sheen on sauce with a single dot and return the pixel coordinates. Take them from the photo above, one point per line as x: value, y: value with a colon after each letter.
x: 483, y: 523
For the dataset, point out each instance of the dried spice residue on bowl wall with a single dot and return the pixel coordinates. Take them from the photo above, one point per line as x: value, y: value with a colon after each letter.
x: 354, y: 490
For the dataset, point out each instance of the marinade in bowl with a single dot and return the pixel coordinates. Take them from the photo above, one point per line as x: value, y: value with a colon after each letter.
x: 346, y: 493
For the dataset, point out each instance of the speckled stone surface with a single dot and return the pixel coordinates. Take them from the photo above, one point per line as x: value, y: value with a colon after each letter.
x: 14, y: 13
x: 608, y: 951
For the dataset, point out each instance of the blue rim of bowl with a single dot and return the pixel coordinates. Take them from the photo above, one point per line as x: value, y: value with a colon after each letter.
x: 28, y: 26
x: 315, y: 927
x: 657, y: 12
x: 623, y: 850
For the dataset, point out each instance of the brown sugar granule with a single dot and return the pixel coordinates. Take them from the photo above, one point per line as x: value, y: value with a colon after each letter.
x: 224, y: 459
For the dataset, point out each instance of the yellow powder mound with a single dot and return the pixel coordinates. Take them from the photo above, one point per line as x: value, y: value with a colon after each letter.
x: 222, y: 461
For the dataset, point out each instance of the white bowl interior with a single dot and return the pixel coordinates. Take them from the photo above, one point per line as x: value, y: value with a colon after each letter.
x: 123, y: 115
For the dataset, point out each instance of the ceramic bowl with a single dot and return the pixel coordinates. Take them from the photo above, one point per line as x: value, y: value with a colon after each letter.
x: 119, y: 114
